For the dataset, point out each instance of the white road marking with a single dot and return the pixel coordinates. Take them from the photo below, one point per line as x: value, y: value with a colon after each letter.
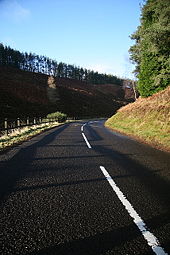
x: 83, y: 127
x: 88, y: 144
x: 149, y: 237
x: 91, y: 122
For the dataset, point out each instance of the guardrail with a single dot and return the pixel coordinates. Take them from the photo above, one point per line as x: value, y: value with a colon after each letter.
x: 9, y: 125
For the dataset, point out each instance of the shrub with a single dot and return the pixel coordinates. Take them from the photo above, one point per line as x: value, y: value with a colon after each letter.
x: 59, y: 116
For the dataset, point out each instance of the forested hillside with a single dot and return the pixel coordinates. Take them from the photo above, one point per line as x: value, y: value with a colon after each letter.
x: 33, y: 85
x: 42, y: 64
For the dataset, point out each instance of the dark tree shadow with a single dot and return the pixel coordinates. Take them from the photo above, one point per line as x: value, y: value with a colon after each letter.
x: 13, y: 170
x: 97, y: 244
x: 150, y: 178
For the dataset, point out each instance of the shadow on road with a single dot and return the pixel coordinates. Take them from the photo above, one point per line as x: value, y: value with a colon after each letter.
x: 51, y: 185
x: 149, y: 178
x: 98, y: 244
x: 11, y: 172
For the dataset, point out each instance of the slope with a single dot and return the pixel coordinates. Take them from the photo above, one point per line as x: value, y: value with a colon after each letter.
x: 147, y: 119
x: 25, y: 94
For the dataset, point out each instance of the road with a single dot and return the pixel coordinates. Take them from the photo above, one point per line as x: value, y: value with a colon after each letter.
x: 82, y: 189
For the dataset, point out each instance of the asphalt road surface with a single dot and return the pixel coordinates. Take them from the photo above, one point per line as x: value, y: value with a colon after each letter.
x: 82, y: 189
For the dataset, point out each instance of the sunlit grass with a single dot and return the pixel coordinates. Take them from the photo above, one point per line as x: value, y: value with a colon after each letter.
x: 23, y: 134
x: 147, y: 119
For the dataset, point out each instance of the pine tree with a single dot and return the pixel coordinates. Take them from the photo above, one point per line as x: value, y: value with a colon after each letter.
x: 42, y: 64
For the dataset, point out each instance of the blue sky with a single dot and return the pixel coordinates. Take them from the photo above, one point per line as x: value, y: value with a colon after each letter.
x: 89, y: 33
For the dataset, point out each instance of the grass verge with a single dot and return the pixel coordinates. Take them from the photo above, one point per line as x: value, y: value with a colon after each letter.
x: 20, y: 135
x: 148, y: 119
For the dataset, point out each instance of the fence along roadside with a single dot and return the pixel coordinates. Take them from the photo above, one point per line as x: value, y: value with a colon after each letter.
x: 9, y: 125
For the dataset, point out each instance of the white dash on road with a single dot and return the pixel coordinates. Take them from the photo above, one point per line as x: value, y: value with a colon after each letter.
x: 83, y: 127
x: 149, y: 237
x: 87, y: 142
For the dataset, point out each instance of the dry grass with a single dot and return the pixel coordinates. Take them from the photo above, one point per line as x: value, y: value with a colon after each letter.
x: 147, y: 119
x: 20, y: 135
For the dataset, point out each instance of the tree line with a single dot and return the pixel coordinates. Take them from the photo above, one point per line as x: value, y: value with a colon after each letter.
x: 42, y: 64
x: 151, y: 51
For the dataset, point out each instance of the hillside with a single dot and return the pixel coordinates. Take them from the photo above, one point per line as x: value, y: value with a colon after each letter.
x: 147, y: 119
x: 26, y: 93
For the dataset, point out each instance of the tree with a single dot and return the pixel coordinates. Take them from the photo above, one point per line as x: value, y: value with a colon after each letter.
x: 42, y: 64
x: 60, y: 69
x: 151, y: 51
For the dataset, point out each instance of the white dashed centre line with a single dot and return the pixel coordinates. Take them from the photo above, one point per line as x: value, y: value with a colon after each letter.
x: 88, y: 144
x: 85, y: 138
x: 82, y: 127
x: 149, y: 237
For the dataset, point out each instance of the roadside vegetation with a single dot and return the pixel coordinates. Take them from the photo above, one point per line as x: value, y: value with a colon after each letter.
x: 151, y: 51
x: 20, y: 135
x: 61, y: 117
x: 147, y: 119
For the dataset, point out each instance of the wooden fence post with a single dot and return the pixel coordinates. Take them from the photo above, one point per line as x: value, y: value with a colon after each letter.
x: 18, y: 122
x: 34, y: 121
x: 6, y: 126
x: 28, y: 121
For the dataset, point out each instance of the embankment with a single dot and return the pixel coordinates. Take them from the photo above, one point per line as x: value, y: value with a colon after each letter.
x: 147, y: 119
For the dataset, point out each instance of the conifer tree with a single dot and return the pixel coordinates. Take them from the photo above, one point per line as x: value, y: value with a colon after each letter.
x: 151, y: 51
x: 42, y: 64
